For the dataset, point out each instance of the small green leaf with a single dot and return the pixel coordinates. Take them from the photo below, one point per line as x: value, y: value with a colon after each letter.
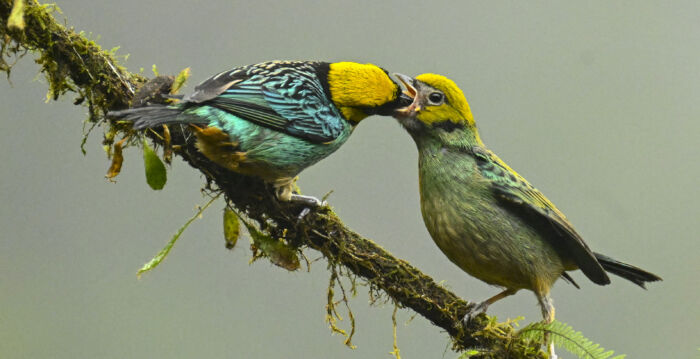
x: 155, y: 169
x: 155, y: 261
x: 232, y: 228
x: 164, y: 252
x: 155, y: 70
x: 279, y: 253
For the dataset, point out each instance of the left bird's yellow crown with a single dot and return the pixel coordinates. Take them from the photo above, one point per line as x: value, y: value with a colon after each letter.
x: 353, y: 86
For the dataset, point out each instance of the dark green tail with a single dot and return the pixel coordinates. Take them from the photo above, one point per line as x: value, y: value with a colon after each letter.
x: 155, y: 115
x: 635, y: 275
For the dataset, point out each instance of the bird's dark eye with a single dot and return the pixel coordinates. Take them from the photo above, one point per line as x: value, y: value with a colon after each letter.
x: 436, y: 98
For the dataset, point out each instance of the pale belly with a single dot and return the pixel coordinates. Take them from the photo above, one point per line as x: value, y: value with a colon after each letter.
x: 491, y: 244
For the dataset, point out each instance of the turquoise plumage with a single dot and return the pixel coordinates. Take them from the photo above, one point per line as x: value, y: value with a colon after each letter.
x: 274, y: 119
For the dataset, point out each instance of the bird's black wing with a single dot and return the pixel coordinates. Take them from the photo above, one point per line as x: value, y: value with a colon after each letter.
x: 285, y: 96
x: 519, y: 194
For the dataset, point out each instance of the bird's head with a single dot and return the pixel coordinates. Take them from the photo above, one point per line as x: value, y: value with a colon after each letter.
x: 361, y: 90
x: 438, y: 109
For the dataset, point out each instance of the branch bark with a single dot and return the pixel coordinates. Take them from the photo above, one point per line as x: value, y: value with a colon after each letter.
x: 73, y: 63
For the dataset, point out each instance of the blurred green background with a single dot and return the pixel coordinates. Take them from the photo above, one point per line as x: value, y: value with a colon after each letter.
x: 597, y: 104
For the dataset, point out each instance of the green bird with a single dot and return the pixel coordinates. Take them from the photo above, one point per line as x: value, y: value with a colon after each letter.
x: 484, y: 216
x: 274, y: 119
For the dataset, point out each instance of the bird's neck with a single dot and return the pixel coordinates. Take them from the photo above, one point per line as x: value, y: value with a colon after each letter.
x: 446, y: 170
x: 457, y: 139
x: 354, y: 87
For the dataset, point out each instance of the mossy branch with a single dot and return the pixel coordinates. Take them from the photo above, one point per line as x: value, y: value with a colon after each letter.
x: 73, y: 63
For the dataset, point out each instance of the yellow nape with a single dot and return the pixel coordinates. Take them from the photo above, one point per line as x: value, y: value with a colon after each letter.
x: 456, y: 108
x: 353, y: 114
x: 360, y: 85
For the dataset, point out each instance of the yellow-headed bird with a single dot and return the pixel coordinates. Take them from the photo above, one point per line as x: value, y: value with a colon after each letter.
x: 274, y: 119
x: 484, y: 216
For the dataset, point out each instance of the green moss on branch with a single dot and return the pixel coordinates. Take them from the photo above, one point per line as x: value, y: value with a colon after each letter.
x: 69, y: 60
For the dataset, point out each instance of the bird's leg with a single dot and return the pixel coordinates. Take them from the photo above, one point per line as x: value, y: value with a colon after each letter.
x: 547, y: 306
x: 481, y: 307
x: 284, y: 192
x: 309, y: 204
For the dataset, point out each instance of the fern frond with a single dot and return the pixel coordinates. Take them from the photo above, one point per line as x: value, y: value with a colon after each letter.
x: 564, y: 336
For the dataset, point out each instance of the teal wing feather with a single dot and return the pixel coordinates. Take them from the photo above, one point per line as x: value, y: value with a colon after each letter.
x: 285, y: 96
x: 520, y: 195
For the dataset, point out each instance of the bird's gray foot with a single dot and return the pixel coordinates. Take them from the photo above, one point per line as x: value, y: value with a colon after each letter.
x: 474, y: 311
x: 309, y: 201
x: 284, y: 191
x: 481, y: 307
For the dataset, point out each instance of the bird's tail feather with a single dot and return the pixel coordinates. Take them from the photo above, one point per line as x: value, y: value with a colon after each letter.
x: 635, y: 275
x: 154, y: 115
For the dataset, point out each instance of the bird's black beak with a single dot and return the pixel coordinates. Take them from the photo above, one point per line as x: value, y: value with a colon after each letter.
x: 409, y: 93
x: 387, y: 109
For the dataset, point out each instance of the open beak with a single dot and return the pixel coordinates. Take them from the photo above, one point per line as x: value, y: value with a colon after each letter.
x: 410, y: 92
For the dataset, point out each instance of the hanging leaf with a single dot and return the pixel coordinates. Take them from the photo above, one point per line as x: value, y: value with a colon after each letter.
x: 167, y: 145
x: 279, y: 253
x: 232, y: 228
x: 155, y: 169
x: 117, y: 160
x: 155, y: 261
